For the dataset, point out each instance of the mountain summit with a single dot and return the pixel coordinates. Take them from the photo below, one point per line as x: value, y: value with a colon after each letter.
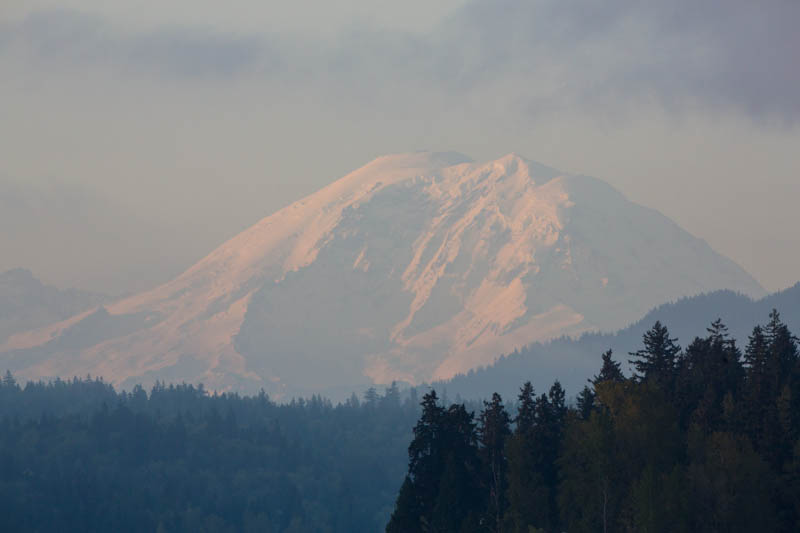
x: 413, y: 267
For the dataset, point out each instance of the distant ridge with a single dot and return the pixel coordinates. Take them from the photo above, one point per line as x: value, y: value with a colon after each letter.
x: 26, y: 303
x: 574, y: 360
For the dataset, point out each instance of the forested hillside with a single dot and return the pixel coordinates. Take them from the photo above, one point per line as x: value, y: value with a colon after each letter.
x: 78, y: 456
x: 572, y: 360
x: 697, y: 439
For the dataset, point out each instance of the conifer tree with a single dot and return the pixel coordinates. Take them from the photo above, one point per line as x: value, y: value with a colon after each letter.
x: 526, y: 411
x: 441, y: 488
x: 551, y: 412
x: 781, y: 381
x: 9, y: 381
x: 610, y: 371
x: 557, y: 396
x: 756, y: 388
x: 782, y: 354
x: 371, y: 397
x: 425, y: 461
x: 493, y: 431
x: 708, y: 370
x: 457, y: 502
x: 655, y: 363
x: 459, y: 497
x: 407, y: 510
x: 391, y: 397
x: 585, y: 403
x: 755, y: 357
x: 421, y: 485
x: 523, y: 476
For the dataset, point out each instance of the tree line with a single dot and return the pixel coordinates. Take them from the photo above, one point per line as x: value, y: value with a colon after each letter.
x: 78, y: 456
x: 705, y: 438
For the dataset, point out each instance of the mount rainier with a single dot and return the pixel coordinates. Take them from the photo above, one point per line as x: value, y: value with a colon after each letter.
x: 412, y: 268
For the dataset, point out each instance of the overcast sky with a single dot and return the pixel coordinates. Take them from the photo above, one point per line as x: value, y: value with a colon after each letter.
x: 136, y: 136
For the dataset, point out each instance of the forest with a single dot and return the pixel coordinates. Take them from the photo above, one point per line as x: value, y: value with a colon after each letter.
x: 78, y: 456
x: 697, y: 439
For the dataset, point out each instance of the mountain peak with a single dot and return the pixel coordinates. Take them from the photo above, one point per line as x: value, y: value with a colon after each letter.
x: 415, y: 266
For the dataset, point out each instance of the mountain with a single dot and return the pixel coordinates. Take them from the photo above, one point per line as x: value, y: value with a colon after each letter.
x: 26, y: 303
x: 573, y: 361
x: 413, y: 267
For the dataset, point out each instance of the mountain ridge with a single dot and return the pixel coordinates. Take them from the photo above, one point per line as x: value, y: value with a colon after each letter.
x: 686, y: 318
x: 27, y: 303
x: 413, y: 266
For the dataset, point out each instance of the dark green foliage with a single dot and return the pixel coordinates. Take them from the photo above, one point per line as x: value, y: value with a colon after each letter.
x: 698, y: 440
x: 493, y: 432
x: 442, y: 489
x: 709, y: 370
x: 526, y: 409
x: 532, y: 452
x: 77, y: 456
x: 590, y: 494
x: 523, y: 474
x: 408, y: 510
x: 585, y: 403
x: 609, y: 371
x: 655, y: 362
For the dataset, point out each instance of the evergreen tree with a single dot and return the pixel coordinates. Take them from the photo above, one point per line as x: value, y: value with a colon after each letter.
x: 526, y: 410
x: 532, y: 453
x: 425, y: 454
x: 9, y: 381
x: 610, y: 370
x: 493, y: 431
x: 371, y: 397
x: 709, y: 370
x: 755, y: 358
x: 444, y: 448
x: 524, y: 481
x: 757, y: 384
x: 782, y: 354
x: 781, y: 381
x: 585, y: 403
x: 391, y: 397
x: 407, y: 510
x: 456, y: 501
x: 655, y: 363
x: 590, y: 487
x: 557, y: 396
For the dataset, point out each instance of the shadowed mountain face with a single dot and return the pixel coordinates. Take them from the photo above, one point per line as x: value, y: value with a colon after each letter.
x: 26, y: 303
x: 414, y: 267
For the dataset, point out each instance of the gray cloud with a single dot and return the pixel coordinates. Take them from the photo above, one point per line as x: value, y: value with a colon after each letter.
x: 728, y: 56
x: 719, y: 54
x: 74, y: 39
x: 75, y: 236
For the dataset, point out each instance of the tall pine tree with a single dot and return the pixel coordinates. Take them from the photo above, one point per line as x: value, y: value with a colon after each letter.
x: 609, y: 371
x: 493, y: 432
x: 655, y: 363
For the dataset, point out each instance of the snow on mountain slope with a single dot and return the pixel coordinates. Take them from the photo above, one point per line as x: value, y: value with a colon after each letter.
x: 413, y: 267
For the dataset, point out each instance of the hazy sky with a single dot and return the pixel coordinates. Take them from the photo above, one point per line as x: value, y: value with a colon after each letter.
x: 136, y: 136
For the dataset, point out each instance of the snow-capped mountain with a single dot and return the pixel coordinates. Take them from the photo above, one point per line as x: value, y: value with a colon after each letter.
x: 413, y: 267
